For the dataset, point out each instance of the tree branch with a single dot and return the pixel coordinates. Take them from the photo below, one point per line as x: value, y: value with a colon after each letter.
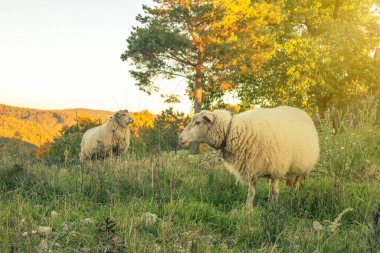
x: 181, y: 60
x: 173, y: 73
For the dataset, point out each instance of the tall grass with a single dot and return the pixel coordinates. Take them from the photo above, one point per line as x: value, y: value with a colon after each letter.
x: 350, y: 141
x: 103, y: 206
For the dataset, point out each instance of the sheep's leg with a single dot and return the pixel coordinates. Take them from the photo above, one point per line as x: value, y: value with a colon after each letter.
x: 251, y: 194
x: 274, y: 188
x: 296, y: 184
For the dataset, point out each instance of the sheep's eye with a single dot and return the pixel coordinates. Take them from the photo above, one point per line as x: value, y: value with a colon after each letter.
x: 197, y: 122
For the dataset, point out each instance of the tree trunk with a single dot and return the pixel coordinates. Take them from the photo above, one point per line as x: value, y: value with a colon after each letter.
x: 336, y: 8
x: 198, y: 99
x: 198, y: 90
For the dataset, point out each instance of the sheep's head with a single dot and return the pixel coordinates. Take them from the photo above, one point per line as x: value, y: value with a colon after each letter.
x: 206, y: 127
x: 123, y: 118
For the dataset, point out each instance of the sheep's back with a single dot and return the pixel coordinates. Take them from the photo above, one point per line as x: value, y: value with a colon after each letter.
x: 275, y: 141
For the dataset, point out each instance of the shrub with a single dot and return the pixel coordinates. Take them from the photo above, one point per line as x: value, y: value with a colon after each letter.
x: 164, y: 135
x: 65, y: 149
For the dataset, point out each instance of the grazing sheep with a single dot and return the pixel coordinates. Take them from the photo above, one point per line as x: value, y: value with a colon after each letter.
x: 274, y: 143
x: 110, y: 138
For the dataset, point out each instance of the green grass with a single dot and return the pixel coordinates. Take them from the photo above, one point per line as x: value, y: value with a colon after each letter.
x: 199, y: 206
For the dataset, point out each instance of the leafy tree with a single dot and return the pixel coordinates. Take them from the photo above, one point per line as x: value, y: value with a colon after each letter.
x: 141, y: 119
x: 323, y: 59
x: 202, y: 41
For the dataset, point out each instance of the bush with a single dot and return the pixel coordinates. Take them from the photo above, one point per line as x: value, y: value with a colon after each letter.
x: 164, y: 135
x: 66, y: 148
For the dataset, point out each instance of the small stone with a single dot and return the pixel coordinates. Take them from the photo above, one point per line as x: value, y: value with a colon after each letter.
x: 44, y: 230
x: 43, y: 246
x: 25, y: 234
x: 317, y: 226
x: 54, y: 214
x: 88, y: 221
x: 149, y: 219
x: 34, y: 232
x: 65, y: 227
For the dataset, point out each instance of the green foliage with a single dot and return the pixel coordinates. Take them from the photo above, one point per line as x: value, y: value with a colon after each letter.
x: 199, y: 205
x: 323, y: 57
x: 197, y: 208
x: 203, y: 42
x: 311, y: 53
x: 66, y: 148
x: 164, y: 135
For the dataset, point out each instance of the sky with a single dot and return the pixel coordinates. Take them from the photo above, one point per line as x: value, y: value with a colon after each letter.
x: 60, y: 54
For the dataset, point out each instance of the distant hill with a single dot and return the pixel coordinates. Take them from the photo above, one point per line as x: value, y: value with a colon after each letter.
x: 39, y: 126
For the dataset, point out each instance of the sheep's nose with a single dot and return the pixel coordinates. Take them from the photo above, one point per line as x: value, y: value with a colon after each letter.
x: 131, y: 120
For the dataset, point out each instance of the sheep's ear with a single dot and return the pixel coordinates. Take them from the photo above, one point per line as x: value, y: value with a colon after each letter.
x: 208, y: 118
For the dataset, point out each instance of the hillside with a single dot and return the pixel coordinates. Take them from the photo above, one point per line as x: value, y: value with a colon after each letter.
x: 176, y: 202
x: 39, y: 126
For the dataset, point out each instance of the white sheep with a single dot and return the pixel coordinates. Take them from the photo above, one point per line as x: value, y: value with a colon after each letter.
x: 275, y: 143
x: 110, y: 138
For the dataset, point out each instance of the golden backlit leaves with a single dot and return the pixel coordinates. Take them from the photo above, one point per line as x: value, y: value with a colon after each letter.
x: 185, y: 2
x: 141, y: 119
x: 357, y: 89
x: 244, y: 28
x: 226, y: 86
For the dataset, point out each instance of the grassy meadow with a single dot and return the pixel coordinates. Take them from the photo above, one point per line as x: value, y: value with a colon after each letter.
x: 176, y: 202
